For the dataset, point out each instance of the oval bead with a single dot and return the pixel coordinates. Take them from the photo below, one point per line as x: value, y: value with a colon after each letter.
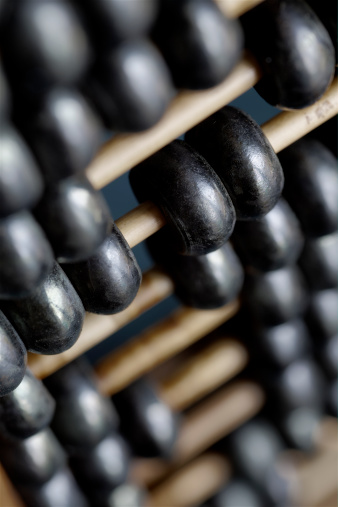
x: 26, y: 410
x: 291, y: 45
x: 236, y: 148
x: 272, y: 242
x: 128, y: 495
x: 191, y: 196
x: 21, y: 183
x: 109, y: 280
x: 311, y: 185
x: 319, y: 262
x: 26, y: 257
x: 131, y: 86
x: 13, y: 357
x: 322, y: 315
x: 300, y: 427
x: 200, y: 45
x: 237, y: 492
x: 33, y: 460
x: 75, y: 217
x: 146, y: 422
x: 50, y: 320
x: 203, y: 281
x: 277, y: 296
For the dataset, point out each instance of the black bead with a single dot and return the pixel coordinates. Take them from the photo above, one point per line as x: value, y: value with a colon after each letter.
x: 75, y: 218
x: 277, y: 296
x: 327, y: 352
x: 299, y: 427
x: 131, y: 86
x: 200, y: 45
x: 21, y: 183
x: 271, y: 242
x: 236, y: 148
x: 34, y: 460
x: 147, y: 423
x: 195, y: 203
x: 108, y: 281
x: 290, y: 44
x: 126, y: 495
x: 13, y: 357
x: 26, y: 257
x: 102, y: 468
x: 64, y: 133
x: 50, y: 320
x: 238, y: 492
x: 83, y: 417
x: 322, y: 315
x: 203, y: 281
x: 319, y: 262
x: 26, y: 410
x: 311, y: 185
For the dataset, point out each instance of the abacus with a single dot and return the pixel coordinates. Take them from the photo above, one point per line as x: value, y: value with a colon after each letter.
x: 192, y: 373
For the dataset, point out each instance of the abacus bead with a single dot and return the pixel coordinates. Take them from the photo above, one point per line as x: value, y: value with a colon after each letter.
x: 75, y: 218
x: 238, y: 492
x: 21, y: 183
x: 49, y: 320
x: 311, y: 185
x: 33, y: 460
x: 134, y: 83
x: 25, y: 255
x: 271, y: 242
x: 102, y: 468
x: 280, y: 345
x: 109, y: 280
x: 200, y: 45
x: 26, y: 410
x: 328, y: 356
x: 292, y: 44
x: 277, y: 296
x: 236, y: 148
x: 322, y: 315
x: 319, y: 262
x: 299, y: 427
x: 195, y: 203
x: 146, y: 422
x: 64, y: 133
x: 13, y: 357
x: 126, y: 495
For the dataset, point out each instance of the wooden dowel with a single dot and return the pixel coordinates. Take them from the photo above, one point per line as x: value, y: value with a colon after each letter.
x: 203, y: 372
x: 331, y: 500
x: 192, y: 484
x: 327, y: 434
x: 8, y: 496
x: 235, y: 8
x: 155, y: 287
x: 187, y: 109
x: 203, y: 426
x: 158, y: 343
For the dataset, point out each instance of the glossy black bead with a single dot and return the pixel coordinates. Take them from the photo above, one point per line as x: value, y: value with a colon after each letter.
x: 75, y: 217
x: 200, y: 45
x: 238, y: 492
x: 13, y: 357
x: 291, y: 45
x: 203, y: 281
x: 276, y: 297
x: 271, y: 242
x: 278, y: 346
x: 319, y: 262
x: 311, y: 185
x: 131, y: 86
x: 322, y: 315
x: 33, y: 460
x: 195, y: 203
x: 109, y: 280
x: 236, y: 148
x: 60, y: 491
x: 25, y: 255
x: 146, y: 422
x: 26, y: 410
x: 21, y: 183
x: 299, y: 427
x: 126, y: 495
x: 43, y: 44
x: 64, y: 133
x: 83, y: 417
x: 327, y: 353
x: 102, y: 468
x: 50, y: 320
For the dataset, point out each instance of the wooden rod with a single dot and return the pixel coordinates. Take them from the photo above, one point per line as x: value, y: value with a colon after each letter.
x: 204, y: 425
x: 155, y: 287
x: 327, y: 434
x: 158, y: 343
x: 235, y: 8
x: 187, y: 109
x: 192, y: 484
x: 203, y: 372
x: 8, y: 496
